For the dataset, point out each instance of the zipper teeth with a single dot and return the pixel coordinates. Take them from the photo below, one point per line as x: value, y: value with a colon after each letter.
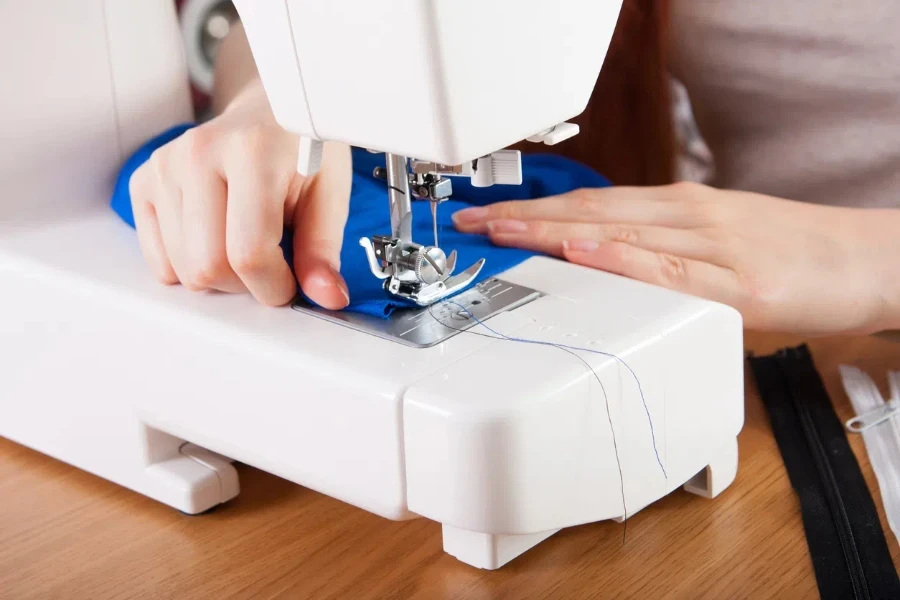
x: 845, y: 532
x: 826, y: 475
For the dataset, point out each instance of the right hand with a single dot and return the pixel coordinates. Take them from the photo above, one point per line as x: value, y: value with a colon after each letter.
x: 211, y: 207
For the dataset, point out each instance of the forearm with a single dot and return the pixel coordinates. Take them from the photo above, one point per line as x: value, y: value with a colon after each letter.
x: 235, y: 69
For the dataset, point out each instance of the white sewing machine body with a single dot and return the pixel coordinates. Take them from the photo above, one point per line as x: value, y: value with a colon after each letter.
x: 151, y: 387
x: 440, y: 80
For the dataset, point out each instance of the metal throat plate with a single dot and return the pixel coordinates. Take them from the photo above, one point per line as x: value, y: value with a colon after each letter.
x: 424, y: 327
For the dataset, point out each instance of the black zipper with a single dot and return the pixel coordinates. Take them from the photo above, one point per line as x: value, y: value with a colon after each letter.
x: 832, y: 492
x: 844, y: 535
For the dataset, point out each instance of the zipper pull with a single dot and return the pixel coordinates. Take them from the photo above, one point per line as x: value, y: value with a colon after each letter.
x: 878, y: 416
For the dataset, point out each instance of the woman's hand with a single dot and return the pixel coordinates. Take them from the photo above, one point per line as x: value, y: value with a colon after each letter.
x: 210, y: 209
x: 786, y: 266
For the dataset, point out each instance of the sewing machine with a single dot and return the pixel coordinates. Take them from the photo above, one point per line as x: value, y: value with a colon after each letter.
x: 159, y: 389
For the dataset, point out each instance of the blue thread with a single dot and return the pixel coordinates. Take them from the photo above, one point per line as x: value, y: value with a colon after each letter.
x: 612, y: 429
x: 573, y: 348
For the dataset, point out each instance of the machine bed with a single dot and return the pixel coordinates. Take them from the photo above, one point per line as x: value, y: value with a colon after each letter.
x: 158, y: 389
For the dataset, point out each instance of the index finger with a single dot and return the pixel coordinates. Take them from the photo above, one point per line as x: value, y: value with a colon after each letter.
x: 319, y: 230
x: 657, y: 206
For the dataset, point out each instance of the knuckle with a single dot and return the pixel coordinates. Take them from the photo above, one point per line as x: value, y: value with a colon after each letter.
x: 687, y: 189
x: 539, y: 229
x: 196, y: 144
x: 697, y: 211
x: 207, y: 272
x: 159, y: 161
x: 696, y: 202
x: 585, y: 201
x: 141, y: 181
x: 252, y: 140
x: 505, y: 210
x: 625, y: 235
x: 672, y: 269
x: 246, y: 257
x: 160, y: 176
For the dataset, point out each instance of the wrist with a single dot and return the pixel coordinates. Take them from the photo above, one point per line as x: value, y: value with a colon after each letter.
x: 890, y: 319
x: 885, y: 266
x: 251, y: 96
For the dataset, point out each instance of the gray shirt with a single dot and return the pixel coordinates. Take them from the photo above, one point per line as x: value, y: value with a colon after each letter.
x: 796, y: 98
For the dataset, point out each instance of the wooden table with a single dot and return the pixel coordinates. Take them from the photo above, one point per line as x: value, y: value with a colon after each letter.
x: 67, y: 534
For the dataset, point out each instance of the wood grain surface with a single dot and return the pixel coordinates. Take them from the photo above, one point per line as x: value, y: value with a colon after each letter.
x: 67, y: 534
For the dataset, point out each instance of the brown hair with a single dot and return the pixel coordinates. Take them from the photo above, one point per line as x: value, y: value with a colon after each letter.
x: 627, y: 131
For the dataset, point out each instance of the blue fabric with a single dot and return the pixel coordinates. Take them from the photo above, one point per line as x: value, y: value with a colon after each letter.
x: 544, y: 175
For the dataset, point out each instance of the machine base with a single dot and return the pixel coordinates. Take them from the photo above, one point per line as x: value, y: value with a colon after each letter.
x: 486, y: 551
x: 491, y: 552
x: 718, y: 475
x: 502, y: 443
x: 199, y: 480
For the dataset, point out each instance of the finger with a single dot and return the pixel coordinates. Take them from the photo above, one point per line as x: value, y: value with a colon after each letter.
x: 147, y: 226
x: 204, y: 208
x: 167, y: 204
x: 254, y: 227
x: 660, y: 206
x: 692, y: 277
x: 548, y: 237
x: 319, y: 230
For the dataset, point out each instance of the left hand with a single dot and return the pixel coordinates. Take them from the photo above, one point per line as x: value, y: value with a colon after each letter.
x: 786, y: 266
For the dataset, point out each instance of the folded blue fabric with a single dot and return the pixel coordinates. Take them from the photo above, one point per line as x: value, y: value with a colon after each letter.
x: 544, y: 175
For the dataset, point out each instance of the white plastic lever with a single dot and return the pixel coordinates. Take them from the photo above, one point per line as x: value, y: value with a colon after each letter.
x: 557, y: 134
x: 310, y: 159
x: 500, y: 168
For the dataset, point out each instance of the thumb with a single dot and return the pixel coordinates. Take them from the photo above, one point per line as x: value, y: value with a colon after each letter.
x: 319, y: 221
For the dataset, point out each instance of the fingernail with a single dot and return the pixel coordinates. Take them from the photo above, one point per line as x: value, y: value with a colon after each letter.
x: 470, y: 215
x: 320, y: 291
x: 507, y: 226
x: 580, y: 246
x: 339, y: 283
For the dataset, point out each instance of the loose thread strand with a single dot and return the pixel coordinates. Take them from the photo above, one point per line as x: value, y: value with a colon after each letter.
x: 577, y: 349
x: 499, y: 336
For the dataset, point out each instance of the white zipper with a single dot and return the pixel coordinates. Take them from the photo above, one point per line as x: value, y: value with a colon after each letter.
x: 878, y: 421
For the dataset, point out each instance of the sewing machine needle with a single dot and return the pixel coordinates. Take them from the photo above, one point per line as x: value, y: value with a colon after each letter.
x: 434, y: 220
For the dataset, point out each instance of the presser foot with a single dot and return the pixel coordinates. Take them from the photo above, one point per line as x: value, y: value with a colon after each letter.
x: 419, y: 274
x: 430, y: 294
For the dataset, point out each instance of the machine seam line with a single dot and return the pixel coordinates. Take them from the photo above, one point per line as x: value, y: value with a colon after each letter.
x: 112, y: 81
